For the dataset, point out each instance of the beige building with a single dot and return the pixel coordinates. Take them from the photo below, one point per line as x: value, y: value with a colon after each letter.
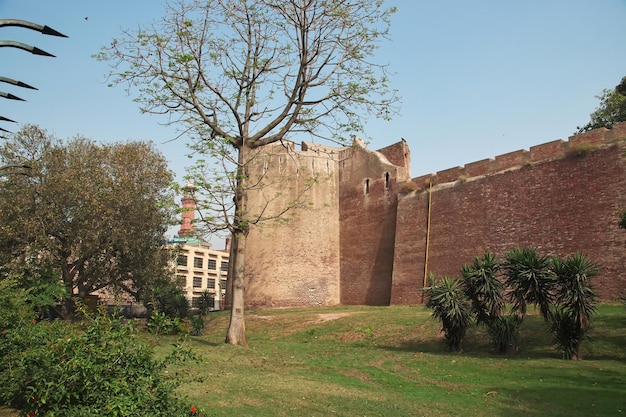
x: 200, y: 268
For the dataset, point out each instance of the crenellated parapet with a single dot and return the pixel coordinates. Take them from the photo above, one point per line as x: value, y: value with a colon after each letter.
x: 558, y: 149
x: 562, y: 197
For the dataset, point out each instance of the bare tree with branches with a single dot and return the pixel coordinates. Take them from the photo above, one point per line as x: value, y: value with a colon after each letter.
x: 243, y: 74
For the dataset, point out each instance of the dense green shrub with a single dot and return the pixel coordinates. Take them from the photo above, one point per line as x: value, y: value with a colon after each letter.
x: 44, y: 290
x: 15, y: 310
x: 161, y: 324
x: 97, y: 368
x: 170, y: 300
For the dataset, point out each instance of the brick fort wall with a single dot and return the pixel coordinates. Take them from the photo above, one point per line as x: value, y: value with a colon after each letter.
x: 560, y: 197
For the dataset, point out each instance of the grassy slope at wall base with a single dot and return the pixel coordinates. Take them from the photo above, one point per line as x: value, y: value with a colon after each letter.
x: 382, y: 361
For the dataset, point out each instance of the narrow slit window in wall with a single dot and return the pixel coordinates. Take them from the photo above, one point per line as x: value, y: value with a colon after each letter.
x: 386, y: 180
x: 367, y: 186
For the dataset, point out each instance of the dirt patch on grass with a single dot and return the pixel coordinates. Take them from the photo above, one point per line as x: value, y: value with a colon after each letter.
x: 358, y: 375
x: 288, y: 324
x: 324, y: 317
x: 319, y: 318
x: 262, y: 317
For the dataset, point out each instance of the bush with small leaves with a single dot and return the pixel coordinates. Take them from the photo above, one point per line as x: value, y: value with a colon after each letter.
x: 97, y: 368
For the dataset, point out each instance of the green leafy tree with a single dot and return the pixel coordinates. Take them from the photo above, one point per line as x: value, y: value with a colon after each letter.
x: 451, y: 307
x: 92, y: 215
x: 242, y: 74
x: 611, y: 110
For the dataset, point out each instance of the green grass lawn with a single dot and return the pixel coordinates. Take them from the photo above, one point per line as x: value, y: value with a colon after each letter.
x: 391, y: 361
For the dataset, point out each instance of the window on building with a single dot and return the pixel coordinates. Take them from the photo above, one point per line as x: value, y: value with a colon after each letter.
x: 212, y: 264
x: 222, y: 284
x: 197, y: 262
x: 181, y: 280
x: 182, y: 260
x: 195, y: 302
x: 211, y: 284
x: 197, y: 282
x: 367, y: 186
x: 386, y: 180
x: 224, y: 266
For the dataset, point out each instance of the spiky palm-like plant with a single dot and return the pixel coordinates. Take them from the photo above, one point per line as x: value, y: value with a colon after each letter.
x: 567, y: 336
x: 504, y: 332
x: 450, y: 305
x: 483, y: 288
x: 575, y: 297
x: 205, y: 302
x: 530, y: 280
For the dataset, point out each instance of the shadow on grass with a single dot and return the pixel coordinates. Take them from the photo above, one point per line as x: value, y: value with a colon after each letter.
x: 482, y: 350
x: 535, y: 342
x: 592, y: 392
x: 199, y: 340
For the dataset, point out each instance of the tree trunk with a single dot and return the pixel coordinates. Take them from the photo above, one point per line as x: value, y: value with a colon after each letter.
x: 228, y: 299
x: 237, y: 327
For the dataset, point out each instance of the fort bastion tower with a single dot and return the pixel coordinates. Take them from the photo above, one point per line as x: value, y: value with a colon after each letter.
x: 337, y: 248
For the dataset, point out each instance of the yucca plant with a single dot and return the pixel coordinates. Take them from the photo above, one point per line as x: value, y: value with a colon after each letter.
x: 530, y: 280
x: 504, y: 332
x: 567, y: 335
x: 575, y: 297
x: 483, y: 288
x: 205, y: 302
x: 450, y: 305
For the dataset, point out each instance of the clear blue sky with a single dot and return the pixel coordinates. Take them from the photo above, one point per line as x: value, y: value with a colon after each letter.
x: 478, y: 78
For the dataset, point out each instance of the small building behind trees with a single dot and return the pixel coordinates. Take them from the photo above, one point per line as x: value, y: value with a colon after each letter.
x: 199, y: 268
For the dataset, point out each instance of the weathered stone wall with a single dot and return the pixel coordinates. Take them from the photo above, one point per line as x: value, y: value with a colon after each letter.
x: 295, y: 261
x: 362, y: 237
x: 560, y: 197
x: 367, y: 218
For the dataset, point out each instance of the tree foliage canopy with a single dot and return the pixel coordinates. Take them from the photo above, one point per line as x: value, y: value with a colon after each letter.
x: 612, y: 109
x: 94, y: 213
